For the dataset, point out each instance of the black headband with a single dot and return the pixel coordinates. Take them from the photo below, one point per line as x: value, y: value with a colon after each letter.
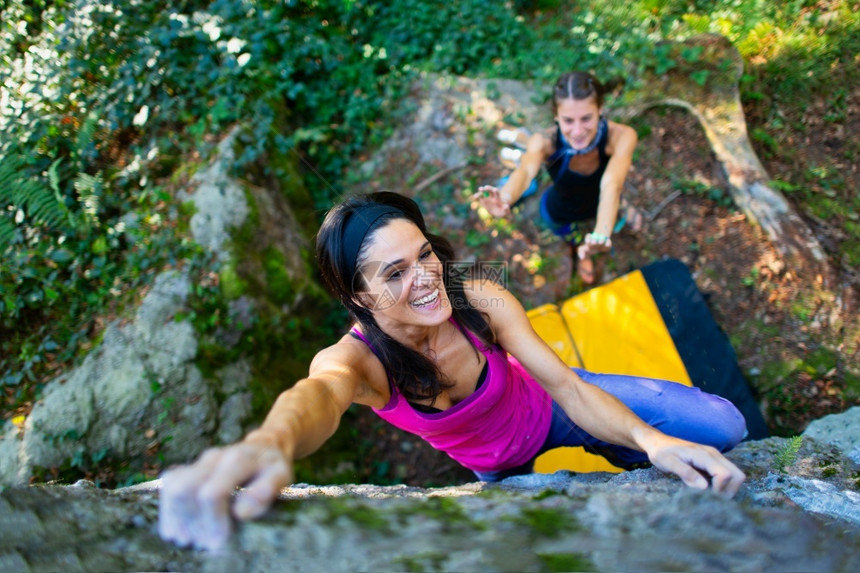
x: 356, y: 228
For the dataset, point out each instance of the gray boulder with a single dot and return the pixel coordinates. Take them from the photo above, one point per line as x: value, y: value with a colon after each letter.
x: 803, y: 517
x: 839, y: 430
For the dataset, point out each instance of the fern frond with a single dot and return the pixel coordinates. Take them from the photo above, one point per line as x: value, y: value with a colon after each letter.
x: 42, y: 204
x: 788, y: 453
x: 86, y: 132
x: 7, y: 232
x: 42, y: 208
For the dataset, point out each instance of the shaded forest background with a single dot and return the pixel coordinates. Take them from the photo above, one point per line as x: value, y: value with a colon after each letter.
x: 106, y: 107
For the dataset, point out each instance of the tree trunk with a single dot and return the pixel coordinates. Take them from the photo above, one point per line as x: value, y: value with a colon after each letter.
x: 708, y: 88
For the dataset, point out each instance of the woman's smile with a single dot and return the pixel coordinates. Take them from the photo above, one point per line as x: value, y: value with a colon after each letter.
x: 427, y: 301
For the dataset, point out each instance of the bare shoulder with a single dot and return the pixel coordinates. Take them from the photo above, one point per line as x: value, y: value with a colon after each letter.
x: 538, y: 148
x: 546, y: 139
x: 480, y: 289
x: 350, y: 362
x: 504, y: 313
x: 493, y: 299
x: 622, y: 138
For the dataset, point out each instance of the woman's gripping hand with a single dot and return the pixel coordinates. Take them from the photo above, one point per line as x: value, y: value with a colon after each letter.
x: 698, y: 466
x: 197, y: 502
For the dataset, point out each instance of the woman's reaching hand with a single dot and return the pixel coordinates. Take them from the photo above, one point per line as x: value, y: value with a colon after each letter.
x: 491, y: 199
x: 197, y: 504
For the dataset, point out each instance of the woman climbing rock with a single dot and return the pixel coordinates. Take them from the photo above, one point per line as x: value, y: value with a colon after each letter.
x: 455, y: 362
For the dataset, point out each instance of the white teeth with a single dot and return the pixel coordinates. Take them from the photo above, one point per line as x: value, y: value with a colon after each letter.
x: 426, y: 299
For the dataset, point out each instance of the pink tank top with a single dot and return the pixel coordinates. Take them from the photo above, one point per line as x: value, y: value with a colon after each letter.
x: 501, y: 425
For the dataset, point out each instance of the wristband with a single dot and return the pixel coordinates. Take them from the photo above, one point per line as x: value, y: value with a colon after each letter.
x: 597, y: 237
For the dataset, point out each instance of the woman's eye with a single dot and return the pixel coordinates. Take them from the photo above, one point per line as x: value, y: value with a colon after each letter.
x: 394, y: 276
x: 425, y: 254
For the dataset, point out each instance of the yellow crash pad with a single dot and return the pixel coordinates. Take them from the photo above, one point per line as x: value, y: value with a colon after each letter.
x: 615, y: 328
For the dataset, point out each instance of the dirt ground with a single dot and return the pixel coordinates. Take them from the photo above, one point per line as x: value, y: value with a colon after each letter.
x: 796, y: 340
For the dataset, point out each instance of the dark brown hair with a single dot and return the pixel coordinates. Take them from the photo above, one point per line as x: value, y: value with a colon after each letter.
x: 579, y: 86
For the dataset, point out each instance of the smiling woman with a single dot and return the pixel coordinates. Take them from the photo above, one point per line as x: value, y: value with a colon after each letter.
x: 455, y: 362
x: 587, y: 157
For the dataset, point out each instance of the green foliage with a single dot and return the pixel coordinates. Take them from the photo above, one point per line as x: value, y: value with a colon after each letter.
x: 364, y: 516
x: 447, y: 511
x: 547, y: 522
x: 752, y: 278
x: 545, y: 494
x: 566, y: 562
x: 787, y: 454
x: 696, y: 188
x: 768, y: 144
x: 26, y: 197
x: 823, y: 192
x: 476, y: 239
x: 421, y: 562
x: 452, y: 36
x: 57, y: 277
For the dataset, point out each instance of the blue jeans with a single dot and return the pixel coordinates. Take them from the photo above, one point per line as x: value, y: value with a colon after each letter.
x: 674, y: 409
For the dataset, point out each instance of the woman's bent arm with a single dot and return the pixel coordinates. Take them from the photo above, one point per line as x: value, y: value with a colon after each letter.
x: 595, y: 411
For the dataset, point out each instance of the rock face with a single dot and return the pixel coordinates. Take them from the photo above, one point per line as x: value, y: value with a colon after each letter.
x: 111, y: 403
x: 840, y: 431
x: 804, y: 519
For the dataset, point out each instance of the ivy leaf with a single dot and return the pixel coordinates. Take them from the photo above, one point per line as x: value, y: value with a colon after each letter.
x: 99, y: 246
x: 692, y: 54
x: 700, y: 77
x: 62, y: 256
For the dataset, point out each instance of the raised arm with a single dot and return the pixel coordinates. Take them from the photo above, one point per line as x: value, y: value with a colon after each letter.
x: 498, y: 201
x: 197, y: 501
x: 597, y: 412
x: 622, y: 143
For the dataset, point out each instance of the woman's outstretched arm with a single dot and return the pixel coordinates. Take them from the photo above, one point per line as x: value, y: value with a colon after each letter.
x: 498, y: 201
x: 197, y: 501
